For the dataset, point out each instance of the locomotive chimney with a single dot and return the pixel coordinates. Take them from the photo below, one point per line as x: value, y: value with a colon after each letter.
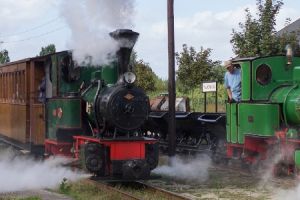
x: 126, y: 39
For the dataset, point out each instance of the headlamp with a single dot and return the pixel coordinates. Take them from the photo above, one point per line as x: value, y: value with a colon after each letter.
x: 129, y: 77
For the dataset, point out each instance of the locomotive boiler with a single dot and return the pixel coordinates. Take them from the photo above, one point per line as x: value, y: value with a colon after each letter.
x: 56, y: 106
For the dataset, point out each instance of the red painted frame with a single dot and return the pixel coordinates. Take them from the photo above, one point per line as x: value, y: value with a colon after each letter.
x: 259, y: 148
x: 252, y: 146
x: 53, y: 147
x: 119, y: 149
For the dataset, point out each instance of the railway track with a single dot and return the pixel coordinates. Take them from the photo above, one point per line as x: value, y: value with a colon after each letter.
x: 139, y: 190
x: 261, y: 174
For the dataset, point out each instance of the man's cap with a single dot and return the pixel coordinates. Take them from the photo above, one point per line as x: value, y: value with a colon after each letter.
x: 227, y: 63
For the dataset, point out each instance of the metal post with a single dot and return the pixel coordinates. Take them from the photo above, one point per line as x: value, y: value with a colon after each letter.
x: 205, y: 102
x: 171, y: 80
x: 216, y: 97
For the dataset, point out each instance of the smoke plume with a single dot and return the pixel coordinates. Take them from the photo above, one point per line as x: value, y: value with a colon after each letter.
x: 90, y: 22
x: 20, y: 173
x: 192, y: 170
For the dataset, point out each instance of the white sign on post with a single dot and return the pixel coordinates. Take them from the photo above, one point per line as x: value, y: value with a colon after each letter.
x: 209, y: 87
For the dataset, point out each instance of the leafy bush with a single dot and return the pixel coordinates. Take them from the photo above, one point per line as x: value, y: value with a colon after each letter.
x: 64, y: 187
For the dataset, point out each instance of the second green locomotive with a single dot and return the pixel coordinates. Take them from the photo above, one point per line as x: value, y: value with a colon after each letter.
x: 267, y: 120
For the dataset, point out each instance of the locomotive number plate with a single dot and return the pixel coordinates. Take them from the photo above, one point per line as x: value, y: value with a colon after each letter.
x: 128, y: 96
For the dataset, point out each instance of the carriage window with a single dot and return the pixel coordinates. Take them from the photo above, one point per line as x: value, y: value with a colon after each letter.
x: 263, y: 74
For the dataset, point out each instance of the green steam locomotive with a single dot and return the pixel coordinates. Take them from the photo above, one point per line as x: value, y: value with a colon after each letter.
x: 265, y: 124
x: 98, y: 114
x: 261, y: 129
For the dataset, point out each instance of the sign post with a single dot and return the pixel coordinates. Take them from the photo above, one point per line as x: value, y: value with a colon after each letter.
x: 211, y: 86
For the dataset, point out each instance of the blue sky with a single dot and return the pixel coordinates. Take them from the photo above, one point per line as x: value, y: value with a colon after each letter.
x: 28, y: 25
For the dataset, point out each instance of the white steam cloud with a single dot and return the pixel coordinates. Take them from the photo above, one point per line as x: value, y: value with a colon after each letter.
x: 91, y: 21
x: 192, y: 170
x: 19, y: 173
x: 267, y: 174
x: 292, y: 194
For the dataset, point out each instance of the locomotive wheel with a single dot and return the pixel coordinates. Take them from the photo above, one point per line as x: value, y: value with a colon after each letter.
x: 94, y: 163
x: 94, y: 158
x: 283, y: 169
x: 259, y: 166
x: 92, y: 148
x: 135, y: 169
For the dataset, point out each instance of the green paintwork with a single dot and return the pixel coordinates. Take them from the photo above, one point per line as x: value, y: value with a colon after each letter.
x: 89, y: 96
x: 88, y: 73
x: 234, y: 127
x: 281, y: 74
x: 246, y: 80
x: 297, y: 158
x: 96, y: 75
x: 110, y: 74
x: 61, y: 88
x: 292, y: 105
x: 231, y: 125
x: 279, y: 95
x: 85, y: 76
x: 71, y: 107
x: 257, y: 119
x: 296, y: 74
x: 290, y: 98
x: 70, y: 118
x: 228, y: 122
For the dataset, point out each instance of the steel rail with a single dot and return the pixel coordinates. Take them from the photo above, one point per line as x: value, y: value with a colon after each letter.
x: 110, y: 186
x: 256, y: 174
x: 162, y: 192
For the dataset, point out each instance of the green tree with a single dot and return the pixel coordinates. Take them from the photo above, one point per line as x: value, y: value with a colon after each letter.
x: 4, y: 57
x: 161, y: 85
x: 146, y: 78
x: 195, y: 67
x: 218, y: 73
x: 258, y: 36
x: 47, y: 50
